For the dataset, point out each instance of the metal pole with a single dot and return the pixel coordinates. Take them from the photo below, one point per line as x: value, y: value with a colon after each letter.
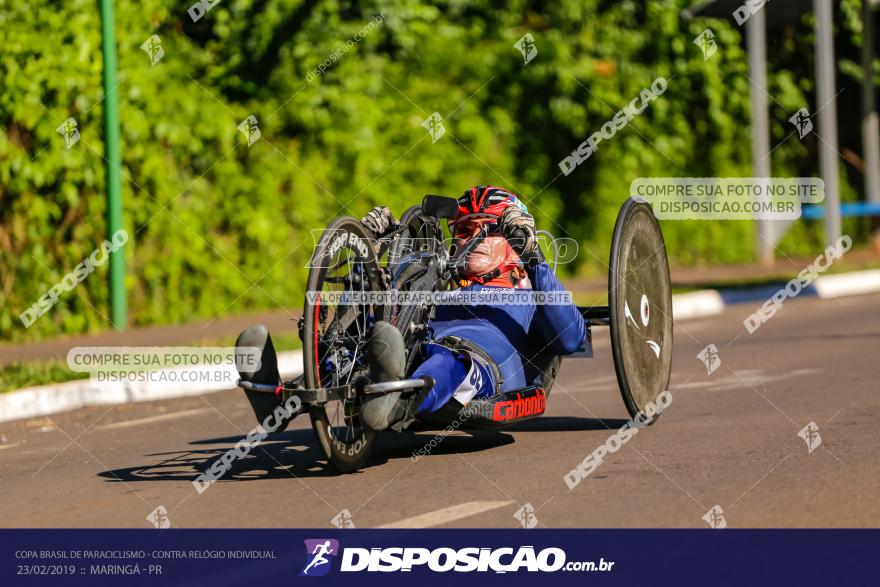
x: 870, y: 125
x: 823, y: 11
x: 756, y: 40
x: 111, y: 149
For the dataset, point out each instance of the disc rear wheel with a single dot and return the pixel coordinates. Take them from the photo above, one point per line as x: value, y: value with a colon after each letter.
x: 640, y: 301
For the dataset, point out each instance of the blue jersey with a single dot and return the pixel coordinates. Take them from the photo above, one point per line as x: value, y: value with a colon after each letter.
x: 507, y: 328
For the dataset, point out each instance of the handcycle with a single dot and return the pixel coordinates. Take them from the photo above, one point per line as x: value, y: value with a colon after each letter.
x: 351, y: 268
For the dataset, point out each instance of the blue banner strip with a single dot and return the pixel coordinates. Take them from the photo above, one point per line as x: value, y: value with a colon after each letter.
x: 436, y: 557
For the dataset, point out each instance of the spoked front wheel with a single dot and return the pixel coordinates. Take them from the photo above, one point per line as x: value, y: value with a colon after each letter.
x: 413, y: 267
x: 336, y: 321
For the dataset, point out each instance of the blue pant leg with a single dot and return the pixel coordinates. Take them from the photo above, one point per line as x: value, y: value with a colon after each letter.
x: 447, y: 370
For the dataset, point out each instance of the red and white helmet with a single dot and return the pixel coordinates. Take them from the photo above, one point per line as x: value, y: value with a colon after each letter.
x: 485, y: 202
x: 493, y: 262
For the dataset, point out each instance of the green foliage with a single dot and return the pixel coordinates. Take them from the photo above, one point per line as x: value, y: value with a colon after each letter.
x: 216, y: 226
x: 18, y: 375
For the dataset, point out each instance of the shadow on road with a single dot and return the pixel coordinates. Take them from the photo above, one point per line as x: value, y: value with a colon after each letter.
x: 435, y: 443
x: 284, y: 456
x: 293, y: 454
x: 567, y: 424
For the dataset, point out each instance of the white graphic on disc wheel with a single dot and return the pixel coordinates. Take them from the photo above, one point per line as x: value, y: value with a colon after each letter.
x: 645, y: 311
x: 628, y: 314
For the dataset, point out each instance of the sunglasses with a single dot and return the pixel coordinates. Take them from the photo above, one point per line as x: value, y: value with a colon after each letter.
x: 467, y: 228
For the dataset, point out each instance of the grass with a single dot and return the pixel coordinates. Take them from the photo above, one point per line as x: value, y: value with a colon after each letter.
x: 32, y: 373
x: 17, y: 375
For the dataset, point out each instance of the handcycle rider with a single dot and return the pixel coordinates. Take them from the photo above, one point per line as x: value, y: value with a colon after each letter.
x: 477, y: 348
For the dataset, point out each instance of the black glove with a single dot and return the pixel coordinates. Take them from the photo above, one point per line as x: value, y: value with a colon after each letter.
x: 532, y: 258
x: 518, y: 228
x: 380, y: 221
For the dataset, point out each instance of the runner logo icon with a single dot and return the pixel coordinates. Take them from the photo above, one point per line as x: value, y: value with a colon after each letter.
x: 320, y: 553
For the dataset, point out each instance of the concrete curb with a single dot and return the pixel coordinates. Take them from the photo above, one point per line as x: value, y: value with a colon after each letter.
x: 709, y: 302
x: 696, y: 304
x: 848, y: 284
x: 61, y: 397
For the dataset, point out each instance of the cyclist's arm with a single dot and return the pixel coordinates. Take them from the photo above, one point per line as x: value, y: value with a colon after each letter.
x: 559, y: 325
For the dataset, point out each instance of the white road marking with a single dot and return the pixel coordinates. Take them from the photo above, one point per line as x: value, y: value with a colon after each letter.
x: 152, y: 419
x: 5, y: 446
x: 701, y: 325
x: 603, y: 379
x: 744, y: 377
x: 446, y: 515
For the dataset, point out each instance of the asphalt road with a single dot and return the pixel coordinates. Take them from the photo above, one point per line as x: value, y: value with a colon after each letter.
x: 729, y: 439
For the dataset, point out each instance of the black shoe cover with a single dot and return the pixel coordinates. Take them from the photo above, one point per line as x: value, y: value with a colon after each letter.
x: 386, y: 357
x: 263, y: 404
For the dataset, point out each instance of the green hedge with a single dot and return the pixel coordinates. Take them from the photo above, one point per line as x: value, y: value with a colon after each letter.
x: 217, y: 227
